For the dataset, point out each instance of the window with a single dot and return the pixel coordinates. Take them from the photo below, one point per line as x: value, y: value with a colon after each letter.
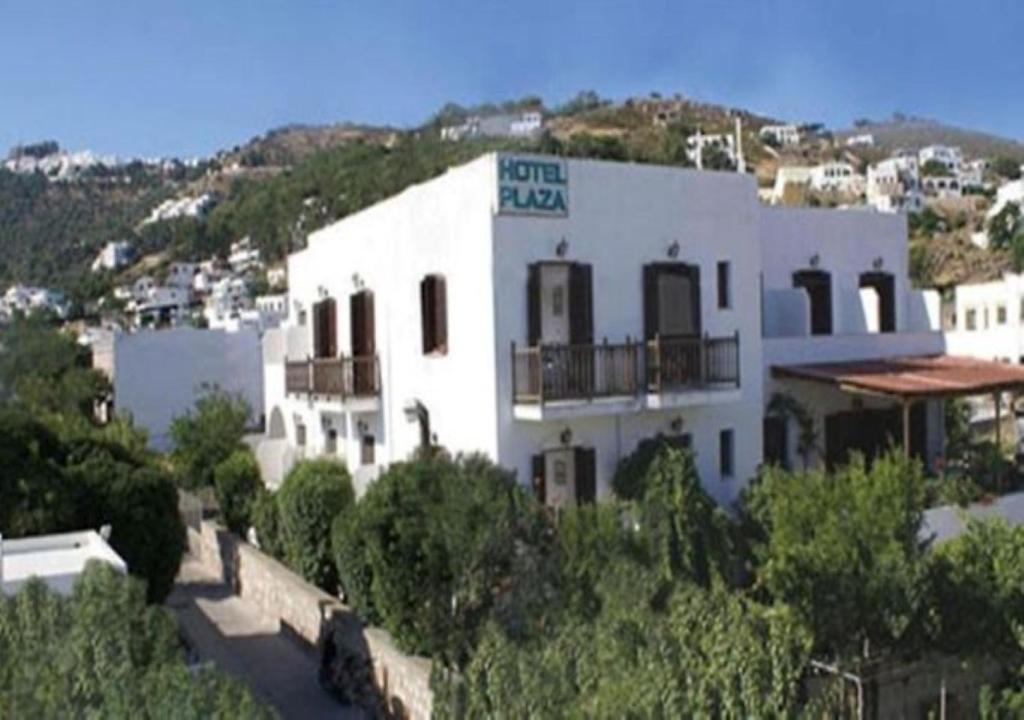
x: 971, y: 319
x: 985, y: 315
x: 1000, y: 314
x: 724, y: 289
x: 725, y: 453
x: 366, y: 448
x: 300, y: 435
x: 331, y: 442
x: 434, y: 315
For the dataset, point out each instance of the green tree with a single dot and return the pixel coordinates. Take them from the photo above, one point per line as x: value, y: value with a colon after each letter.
x: 934, y: 168
x: 207, y: 435
x: 843, y: 550
x: 102, y: 652
x: 35, y: 494
x: 1006, y: 167
x: 237, y: 482
x: 313, y: 494
x: 1005, y: 226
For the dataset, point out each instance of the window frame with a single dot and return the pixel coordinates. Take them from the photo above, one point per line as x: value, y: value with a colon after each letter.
x: 723, y: 279
x: 727, y: 453
x: 434, y: 315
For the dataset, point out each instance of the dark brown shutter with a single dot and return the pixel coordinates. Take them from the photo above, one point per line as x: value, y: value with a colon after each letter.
x: 330, y: 328
x: 370, y: 346
x: 581, y: 304
x: 441, y: 314
x: 427, y: 314
x: 651, y: 322
x: 318, y: 330
x: 356, y: 318
x: 694, y: 272
x: 539, y: 481
x: 533, y: 305
x: 586, y: 476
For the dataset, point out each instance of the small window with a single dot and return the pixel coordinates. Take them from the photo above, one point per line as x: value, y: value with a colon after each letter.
x: 366, y: 448
x: 724, y: 285
x: 985, y: 315
x: 1022, y: 310
x: 434, y: 315
x: 331, y: 442
x: 1001, y: 315
x: 300, y: 435
x: 725, y: 453
x: 971, y: 319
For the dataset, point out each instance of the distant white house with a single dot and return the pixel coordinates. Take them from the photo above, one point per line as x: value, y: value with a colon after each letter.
x: 523, y: 124
x: 228, y: 297
x: 243, y: 256
x: 151, y: 304
x: 277, y: 277
x: 114, y: 256
x: 27, y: 299
x: 1010, y: 192
x: 57, y: 560
x: 836, y: 176
x: 893, y: 185
x: 159, y: 375
x: 942, y: 187
x: 950, y: 157
x: 173, y: 208
x: 789, y: 175
x: 861, y: 140
x: 782, y: 135
x: 698, y: 144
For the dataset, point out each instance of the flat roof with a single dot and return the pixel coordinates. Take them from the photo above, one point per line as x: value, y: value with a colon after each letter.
x: 913, y: 377
x: 57, y: 560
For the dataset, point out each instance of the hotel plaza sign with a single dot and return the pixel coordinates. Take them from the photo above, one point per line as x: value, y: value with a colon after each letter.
x: 533, y: 186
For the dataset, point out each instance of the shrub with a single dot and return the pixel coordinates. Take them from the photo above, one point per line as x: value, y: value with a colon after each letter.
x: 206, y: 436
x: 266, y: 518
x: 843, y: 550
x: 312, y: 495
x: 141, y: 505
x: 437, y: 546
x: 237, y: 481
x: 35, y: 496
x: 104, y: 653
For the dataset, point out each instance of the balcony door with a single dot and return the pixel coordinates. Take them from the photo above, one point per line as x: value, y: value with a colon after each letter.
x: 672, y: 324
x: 884, y: 285
x: 671, y: 300
x: 560, y: 304
x: 565, y: 476
x: 363, y: 342
x: 818, y: 286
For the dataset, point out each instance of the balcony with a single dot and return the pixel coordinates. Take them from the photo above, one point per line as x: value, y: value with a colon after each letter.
x: 350, y: 380
x: 550, y: 381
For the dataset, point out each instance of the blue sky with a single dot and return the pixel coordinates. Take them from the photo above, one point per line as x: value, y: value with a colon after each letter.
x: 186, y: 77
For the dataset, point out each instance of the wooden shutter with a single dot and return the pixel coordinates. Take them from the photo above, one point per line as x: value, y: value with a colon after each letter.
x: 361, y: 310
x: 318, y: 329
x: 329, y: 312
x: 440, y: 314
x: 533, y: 305
x: 651, y: 321
x: 581, y: 304
x: 370, y: 345
x: 427, y: 314
x: 694, y: 272
x: 539, y: 481
x: 356, y: 322
x: 586, y: 476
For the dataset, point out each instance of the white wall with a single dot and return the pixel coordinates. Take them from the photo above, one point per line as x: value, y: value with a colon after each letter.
x: 159, y: 374
x: 620, y: 218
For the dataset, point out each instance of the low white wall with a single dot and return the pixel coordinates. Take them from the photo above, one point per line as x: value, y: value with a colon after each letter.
x: 159, y: 374
x: 305, y: 610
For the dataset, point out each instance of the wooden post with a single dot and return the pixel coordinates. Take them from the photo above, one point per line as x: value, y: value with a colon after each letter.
x: 999, y: 421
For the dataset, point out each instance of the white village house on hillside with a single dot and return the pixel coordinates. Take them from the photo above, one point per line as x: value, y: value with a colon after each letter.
x: 554, y: 313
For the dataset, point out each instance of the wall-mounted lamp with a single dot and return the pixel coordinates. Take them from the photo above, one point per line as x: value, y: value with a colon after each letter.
x: 673, y: 249
x: 322, y: 291
x: 566, y: 437
x: 562, y: 248
x: 357, y: 281
x: 815, y: 260
x: 877, y: 263
x: 362, y: 427
x: 676, y: 425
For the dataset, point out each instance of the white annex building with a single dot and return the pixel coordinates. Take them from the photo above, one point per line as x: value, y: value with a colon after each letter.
x: 554, y: 313
x: 57, y: 560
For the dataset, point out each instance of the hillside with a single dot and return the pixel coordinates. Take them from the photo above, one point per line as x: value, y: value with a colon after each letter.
x: 914, y: 133
x: 280, y: 186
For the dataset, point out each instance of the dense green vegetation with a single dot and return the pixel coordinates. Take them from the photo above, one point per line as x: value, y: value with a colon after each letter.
x: 104, y: 653
x: 59, y: 472
x: 208, y: 435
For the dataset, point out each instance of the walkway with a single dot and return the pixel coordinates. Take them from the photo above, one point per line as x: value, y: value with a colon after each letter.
x: 231, y: 633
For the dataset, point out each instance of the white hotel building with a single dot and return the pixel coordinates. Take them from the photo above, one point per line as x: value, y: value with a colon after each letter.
x: 554, y: 313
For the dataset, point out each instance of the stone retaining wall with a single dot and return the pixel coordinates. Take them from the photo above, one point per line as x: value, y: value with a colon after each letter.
x: 303, y: 610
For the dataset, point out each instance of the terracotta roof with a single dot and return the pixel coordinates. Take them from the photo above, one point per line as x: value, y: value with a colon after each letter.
x: 912, y: 377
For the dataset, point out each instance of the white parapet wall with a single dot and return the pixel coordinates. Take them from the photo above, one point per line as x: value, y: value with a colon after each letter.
x: 159, y: 374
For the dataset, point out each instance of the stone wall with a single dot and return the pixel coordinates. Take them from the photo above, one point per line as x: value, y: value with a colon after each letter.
x: 304, y: 610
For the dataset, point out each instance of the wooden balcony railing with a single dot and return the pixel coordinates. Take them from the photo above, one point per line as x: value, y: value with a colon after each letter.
x: 344, y: 377
x: 551, y: 373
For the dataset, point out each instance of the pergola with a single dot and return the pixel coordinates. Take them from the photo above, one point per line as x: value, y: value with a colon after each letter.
x: 912, y: 379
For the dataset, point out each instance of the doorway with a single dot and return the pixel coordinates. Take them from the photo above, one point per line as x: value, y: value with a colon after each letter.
x: 363, y: 342
x: 884, y: 285
x: 818, y: 286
